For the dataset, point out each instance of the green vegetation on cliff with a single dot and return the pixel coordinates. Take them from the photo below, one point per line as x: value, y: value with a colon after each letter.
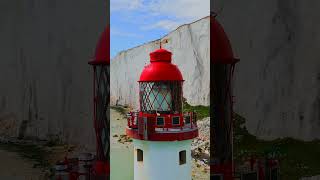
x: 202, y: 111
x: 297, y: 158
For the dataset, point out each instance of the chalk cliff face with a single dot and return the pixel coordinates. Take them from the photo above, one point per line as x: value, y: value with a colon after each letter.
x: 277, y: 81
x: 190, y: 45
x: 46, y: 83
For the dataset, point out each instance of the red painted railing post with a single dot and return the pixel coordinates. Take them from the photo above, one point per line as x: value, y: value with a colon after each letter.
x: 191, y: 119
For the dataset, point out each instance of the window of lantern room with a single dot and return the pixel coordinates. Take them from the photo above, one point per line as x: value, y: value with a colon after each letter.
x: 176, y: 120
x: 160, y: 96
x: 160, y: 121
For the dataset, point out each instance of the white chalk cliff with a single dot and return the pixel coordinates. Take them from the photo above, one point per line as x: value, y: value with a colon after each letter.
x: 46, y: 83
x: 277, y: 81
x: 190, y: 45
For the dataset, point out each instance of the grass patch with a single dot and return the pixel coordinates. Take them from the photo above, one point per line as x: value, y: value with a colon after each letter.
x: 297, y: 158
x: 202, y: 111
x: 121, y: 109
x: 54, y: 140
x: 28, y: 151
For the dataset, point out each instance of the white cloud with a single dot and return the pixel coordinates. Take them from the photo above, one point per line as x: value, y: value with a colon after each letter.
x: 117, y: 32
x: 163, y: 24
x: 125, y: 5
x: 178, y: 11
x: 181, y: 9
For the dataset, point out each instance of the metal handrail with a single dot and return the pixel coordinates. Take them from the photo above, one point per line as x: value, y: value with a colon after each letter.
x: 133, y: 121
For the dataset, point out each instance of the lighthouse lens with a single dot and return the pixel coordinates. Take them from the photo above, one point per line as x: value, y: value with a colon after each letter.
x: 162, y: 97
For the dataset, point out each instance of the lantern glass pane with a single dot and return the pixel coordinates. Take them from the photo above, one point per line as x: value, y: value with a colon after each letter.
x: 161, y: 96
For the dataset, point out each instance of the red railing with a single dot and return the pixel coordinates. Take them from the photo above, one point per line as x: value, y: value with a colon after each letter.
x: 187, y: 120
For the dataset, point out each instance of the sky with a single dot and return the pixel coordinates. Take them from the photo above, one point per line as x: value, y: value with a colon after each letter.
x: 135, y: 22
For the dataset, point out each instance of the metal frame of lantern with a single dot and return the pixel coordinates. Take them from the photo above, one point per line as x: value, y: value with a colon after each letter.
x: 222, y: 68
x: 162, y: 81
x: 156, y: 88
x: 101, y: 104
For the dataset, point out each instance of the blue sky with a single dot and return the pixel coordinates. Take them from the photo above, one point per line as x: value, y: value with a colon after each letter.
x: 135, y: 22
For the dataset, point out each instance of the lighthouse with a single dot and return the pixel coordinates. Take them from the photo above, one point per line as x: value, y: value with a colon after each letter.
x: 161, y: 132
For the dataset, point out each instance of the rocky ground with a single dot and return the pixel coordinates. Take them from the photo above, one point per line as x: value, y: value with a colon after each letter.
x: 14, y: 166
x: 35, y: 158
x: 311, y: 178
x: 18, y: 163
x: 31, y: 159
x: 201, y: 145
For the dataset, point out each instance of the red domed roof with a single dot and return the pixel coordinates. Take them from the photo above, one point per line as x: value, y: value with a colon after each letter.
x: 102, y: 54
x: 221, y: 51
x: 161, y: 68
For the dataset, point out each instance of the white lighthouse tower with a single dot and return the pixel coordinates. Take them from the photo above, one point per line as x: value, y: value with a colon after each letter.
x: 161, y: 133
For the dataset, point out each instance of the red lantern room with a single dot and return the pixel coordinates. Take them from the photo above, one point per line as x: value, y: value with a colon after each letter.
x: 160, y: 95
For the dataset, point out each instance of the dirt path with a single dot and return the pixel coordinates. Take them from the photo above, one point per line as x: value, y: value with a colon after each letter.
x: 13, y: 166
x: 121, y: 154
